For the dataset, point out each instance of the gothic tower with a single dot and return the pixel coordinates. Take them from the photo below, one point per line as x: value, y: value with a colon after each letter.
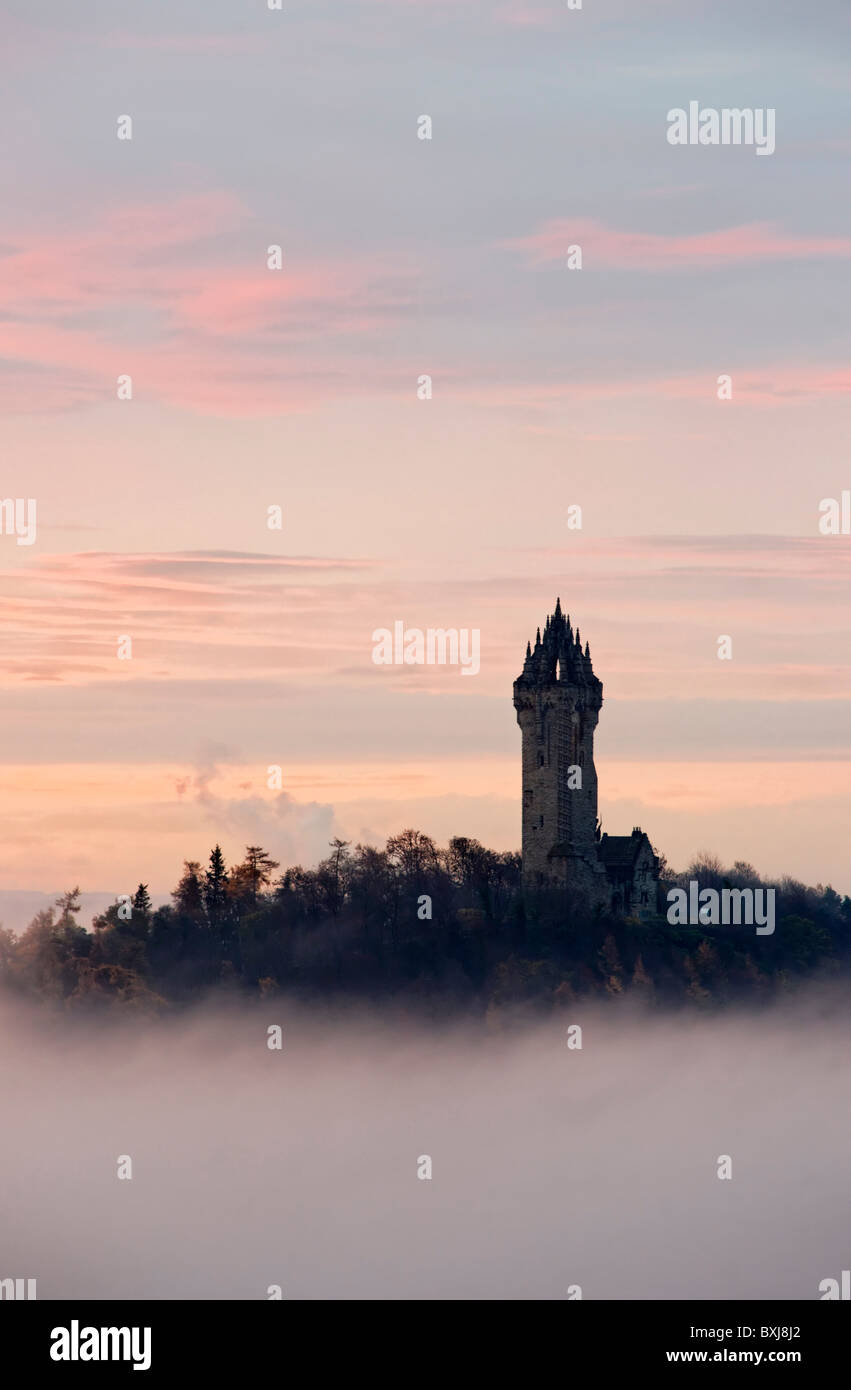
x: 557, y: 698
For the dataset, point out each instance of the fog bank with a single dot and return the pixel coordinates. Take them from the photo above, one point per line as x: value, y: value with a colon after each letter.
x: 551, y: 1166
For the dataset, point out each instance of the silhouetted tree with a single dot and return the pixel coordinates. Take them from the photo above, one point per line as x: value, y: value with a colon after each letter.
x: 215, y: 888
x: 188, y: 896
x: 249, y: 878
x: 141, y: 903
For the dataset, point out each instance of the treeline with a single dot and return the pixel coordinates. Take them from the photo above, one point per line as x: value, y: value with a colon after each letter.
x: 438, y: 928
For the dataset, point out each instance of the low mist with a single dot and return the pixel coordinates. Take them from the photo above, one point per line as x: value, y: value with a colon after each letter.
x: 551, y: 1166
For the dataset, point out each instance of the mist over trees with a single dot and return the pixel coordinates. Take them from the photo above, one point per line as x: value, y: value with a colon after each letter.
x: 439, y: 929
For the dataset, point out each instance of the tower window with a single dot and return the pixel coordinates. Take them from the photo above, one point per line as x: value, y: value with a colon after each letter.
x: 540, y: 760
x: 541, y: 822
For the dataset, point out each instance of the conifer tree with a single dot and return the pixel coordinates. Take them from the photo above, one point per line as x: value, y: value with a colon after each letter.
x: 141, y: 902
x: 215, y: 887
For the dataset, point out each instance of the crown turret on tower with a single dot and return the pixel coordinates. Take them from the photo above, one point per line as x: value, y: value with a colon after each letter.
x: 558, y: 656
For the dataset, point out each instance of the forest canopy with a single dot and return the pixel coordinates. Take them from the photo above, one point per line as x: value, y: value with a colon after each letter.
x: 441, y: 929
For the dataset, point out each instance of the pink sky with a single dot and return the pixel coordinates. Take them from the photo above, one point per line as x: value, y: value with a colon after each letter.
x: 298, y: 388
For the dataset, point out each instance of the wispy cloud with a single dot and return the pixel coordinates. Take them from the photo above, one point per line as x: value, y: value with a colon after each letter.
x: 647, y: 603
x: 157, y: 291
x: 762, y: 386
x: 658, y: 251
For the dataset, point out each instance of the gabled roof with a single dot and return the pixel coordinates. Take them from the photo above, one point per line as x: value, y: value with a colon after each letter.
x: 621, y: 851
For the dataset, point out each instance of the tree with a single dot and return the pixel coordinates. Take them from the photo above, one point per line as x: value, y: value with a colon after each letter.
x: 372, y: 891
x: 706, y: 868
x: 48, y: 954
x: 216, y: 887
x: 610, y: 965
x: 188, y: 896
x: 332, y: 874
x: 141, y: 902
x: 69, y: 906
x: 663, y: 867
x: 254, y: 874
x: 7, y: 951
x: 743, y: 875
x: 414, y: 852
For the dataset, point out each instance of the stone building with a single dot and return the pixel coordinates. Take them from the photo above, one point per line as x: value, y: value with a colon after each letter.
x: 558, y: 698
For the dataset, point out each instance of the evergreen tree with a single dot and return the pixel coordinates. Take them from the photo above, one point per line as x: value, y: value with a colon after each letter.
x: 216, y: 887
x: 69, y: 906
x: 141, y: 902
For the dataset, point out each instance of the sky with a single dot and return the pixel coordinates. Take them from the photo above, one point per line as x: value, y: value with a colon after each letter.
x: 551, y: 388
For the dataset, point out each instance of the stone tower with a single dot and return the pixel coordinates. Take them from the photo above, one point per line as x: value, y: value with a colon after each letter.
x: 558, y: 698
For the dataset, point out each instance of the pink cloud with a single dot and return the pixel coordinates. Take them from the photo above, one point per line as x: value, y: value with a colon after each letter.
x: 147, y: 290
x: 604, y: 246
x: 197, y: 615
